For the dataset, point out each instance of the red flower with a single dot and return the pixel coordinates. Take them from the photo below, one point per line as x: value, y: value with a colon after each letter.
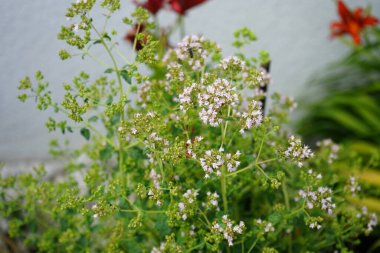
x: 153, y: 6
x: 131, y: 35
x: 351, y: 23
x: 181, y: 6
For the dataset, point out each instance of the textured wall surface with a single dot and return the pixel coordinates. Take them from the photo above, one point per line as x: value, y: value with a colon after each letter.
x: 296, y: 33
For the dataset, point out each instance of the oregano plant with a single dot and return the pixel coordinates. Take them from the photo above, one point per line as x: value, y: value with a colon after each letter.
x: 180, y: 158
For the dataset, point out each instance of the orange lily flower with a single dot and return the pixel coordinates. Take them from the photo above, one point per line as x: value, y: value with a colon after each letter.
x: 351, y: 23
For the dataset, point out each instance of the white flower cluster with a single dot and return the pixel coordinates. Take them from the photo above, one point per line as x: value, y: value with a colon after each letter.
x: 185, y: 97
x: 161, y: 249
x: 190, y: 49
x: 184, y: 208
x: 253, y: 117
x: 289, y: 103
x: 212, y: 201
x: 232, y: 63
x: 265, y: 225
x: 320, y: 198
x: 214, y: 160
x: 227, y: 229
x: 154, y: 193
x: 258, y: 94
x: 315, y: 224
x: 297, y: 152
x: 190, y: 145
x: 353, y: 185
x: 372, y: 222
x: 175, y: 72
x: 214, y: 98
x: 333, y: 149
x: 154, y: 141
x: 264, y: 78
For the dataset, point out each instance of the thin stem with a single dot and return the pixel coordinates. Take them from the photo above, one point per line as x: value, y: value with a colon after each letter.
x: 181, y: 26
x: 205, y: 217
x: 142, y: 211
x: 223, y: 185
x: 121, y: 156
x: 266, y: 161
x: 96, y: 59
x: 295, y: 212
x: 262, y: 171
x: 196, y: 247
x: 135, y: 41
x: 225, y: 127
x: 261, y: 146
x: 113, y: 62
x: 250, y: 166
x: 242, y: 170
x: 253, y: 245
x: 286, y: 196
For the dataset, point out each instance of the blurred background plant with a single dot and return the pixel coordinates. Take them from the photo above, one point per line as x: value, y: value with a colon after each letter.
x: 348, y: 107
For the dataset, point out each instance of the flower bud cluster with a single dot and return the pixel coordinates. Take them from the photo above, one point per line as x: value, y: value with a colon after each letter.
x: 155, y: 192
x: 185, y: 98
x: 232, y: 64
x: 265, y: 226
x: 296, y: 152
x: 264, y: 78
x: 175, y: 72
x: 227, y: 229
x: 371, y: 217
x: 289, y: 103
x: 169, y: 245
x: 253, y: 117
x: 190, y: 145
x: 212, y: 201
x: 214, y: 160
x: 151, y: 89
x: 321, y: 198
x: 314, y: 222
x: 191, y: 51
x: 353, y: 186
x: 188, y: 205
x: 214, y: 98
x: 333, y: 149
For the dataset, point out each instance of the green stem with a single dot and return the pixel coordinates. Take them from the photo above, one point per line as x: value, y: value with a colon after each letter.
x: 196, y: 247
x: 96, y: 59
x: 253, y: 245
x: 121, y: 155
x: 181, y: 26
x: 242, y: 170
x: 262, y: 171
x: 223, y: 185
x: 135, y: 42
x: 225, y: 127
x: 142, y: 211
x: 261, y: 146
x: 286, y: 197
x: 266, y: 161
x: 205, y: 217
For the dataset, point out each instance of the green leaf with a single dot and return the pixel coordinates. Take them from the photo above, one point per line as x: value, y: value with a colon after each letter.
x: 124, y: 74
x: 275, y: 218
x: 85, y: 133
x: 108, y: 71
x: 105, y: 153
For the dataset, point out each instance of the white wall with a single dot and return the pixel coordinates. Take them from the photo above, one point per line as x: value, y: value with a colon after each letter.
x: 296, y: 33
